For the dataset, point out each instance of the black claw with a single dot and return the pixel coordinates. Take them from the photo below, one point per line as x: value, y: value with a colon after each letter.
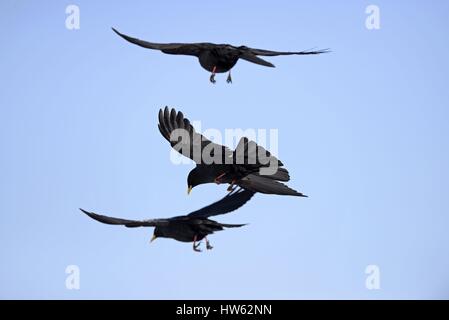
x: 212, y: 78
x: 195, y: 247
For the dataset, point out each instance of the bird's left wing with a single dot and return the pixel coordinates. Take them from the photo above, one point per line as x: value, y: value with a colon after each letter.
x: 125, y: 222
x: 190, y: 49
x: 184, y: 139
x: 230, y: 202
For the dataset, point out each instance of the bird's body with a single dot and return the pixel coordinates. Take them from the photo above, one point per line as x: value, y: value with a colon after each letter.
x: 193, y: 227
x: 223, y: 173
x: 216, y: 58
x: 185, y: 229
x: 182, y: 230
x: 218, y: 164
x: 221, y: 57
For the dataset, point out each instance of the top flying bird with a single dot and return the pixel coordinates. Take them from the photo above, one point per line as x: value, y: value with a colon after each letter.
x: 216, y: 58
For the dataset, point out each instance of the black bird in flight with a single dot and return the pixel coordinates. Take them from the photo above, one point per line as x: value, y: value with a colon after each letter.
x: 216, y: 58
x: 195, y: 226
x: 243, y: 167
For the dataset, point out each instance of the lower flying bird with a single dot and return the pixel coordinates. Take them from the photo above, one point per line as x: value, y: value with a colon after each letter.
x: 242, y: 167
x: 216, y: 58
x: 193, y: 227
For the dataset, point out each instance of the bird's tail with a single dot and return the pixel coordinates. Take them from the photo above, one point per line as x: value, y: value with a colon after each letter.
x: 266, y: 185
x: 255, y: 59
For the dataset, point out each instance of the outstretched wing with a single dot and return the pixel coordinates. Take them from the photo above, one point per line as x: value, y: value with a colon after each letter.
x: 184, y: 139
x: 125, y: 222
x: 230, y: 202
x: 191, y: 49
x: 250, y: 153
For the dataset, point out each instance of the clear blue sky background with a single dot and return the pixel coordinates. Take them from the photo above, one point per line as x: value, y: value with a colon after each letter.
x: 363, y: 131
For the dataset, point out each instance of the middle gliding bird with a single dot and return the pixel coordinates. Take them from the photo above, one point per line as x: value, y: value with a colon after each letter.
x: 243, y: 166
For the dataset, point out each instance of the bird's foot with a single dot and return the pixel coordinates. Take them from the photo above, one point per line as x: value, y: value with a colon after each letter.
x: 195, y: 247
x: 212, y: 78
x: 231, y: 186
x: 208, y: 246
x: 229, y: 79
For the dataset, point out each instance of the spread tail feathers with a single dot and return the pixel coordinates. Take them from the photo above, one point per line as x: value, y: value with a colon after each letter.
x: 255, y: 59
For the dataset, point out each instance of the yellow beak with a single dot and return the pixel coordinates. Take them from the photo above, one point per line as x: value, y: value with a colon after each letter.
x: 153, y: 238
x: 189, y: 190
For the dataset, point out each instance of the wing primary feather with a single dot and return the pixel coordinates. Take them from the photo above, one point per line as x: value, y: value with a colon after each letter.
x: 126, y: 222
x: 170, y: 119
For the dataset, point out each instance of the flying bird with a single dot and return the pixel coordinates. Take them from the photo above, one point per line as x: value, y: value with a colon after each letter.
x: 216, y: 58
x: 218, y: 164
x: 193, y: 227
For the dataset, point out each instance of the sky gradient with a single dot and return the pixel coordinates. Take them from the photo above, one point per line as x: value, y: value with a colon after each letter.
x: 363, y: 131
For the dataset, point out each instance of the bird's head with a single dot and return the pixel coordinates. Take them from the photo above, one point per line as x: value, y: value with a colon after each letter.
x: 156, y: 234
x: 192, y: 180
x: 195, y: 178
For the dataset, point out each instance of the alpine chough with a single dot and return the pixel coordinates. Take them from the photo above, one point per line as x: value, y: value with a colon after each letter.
x: 216, y: 58
x: 218, y: 164
x: 193, y: 227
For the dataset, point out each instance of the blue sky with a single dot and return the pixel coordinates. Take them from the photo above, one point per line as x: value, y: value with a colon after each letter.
x: 363, y: 131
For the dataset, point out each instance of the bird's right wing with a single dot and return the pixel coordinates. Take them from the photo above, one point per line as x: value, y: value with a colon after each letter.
x: 249, y: 152
x: 183, y: 138
x: 125, y: 222
x: 230, y: 202
x: 190, y: 49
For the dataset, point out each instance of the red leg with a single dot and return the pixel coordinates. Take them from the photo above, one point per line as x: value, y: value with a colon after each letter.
x: 217, y: 179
